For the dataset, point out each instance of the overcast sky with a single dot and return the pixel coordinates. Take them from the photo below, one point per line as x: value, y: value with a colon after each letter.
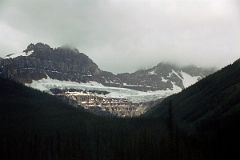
x: 126, y: 35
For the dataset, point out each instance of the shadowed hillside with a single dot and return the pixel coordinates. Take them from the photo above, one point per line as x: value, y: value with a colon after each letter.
x: 36, y: 125
x: 208, y: 112
x: 200, y: 123
x: 214, y: 97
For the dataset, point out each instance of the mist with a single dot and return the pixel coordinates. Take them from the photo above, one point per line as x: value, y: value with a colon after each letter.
x: 126, y: 35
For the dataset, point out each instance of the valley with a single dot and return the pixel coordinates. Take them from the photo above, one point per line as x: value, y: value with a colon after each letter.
x: 129, y: 94
x: 119, y: 79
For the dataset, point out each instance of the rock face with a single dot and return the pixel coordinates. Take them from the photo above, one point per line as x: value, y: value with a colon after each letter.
x: 46, y: 68
x: 164, y: 76
x: 40, y: 60
x: 102, y: 105
x: 59, y: 63
x: 211, y: 103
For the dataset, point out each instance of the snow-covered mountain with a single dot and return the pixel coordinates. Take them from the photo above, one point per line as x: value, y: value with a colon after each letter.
x: 135, y: 96
x: 46, y: 68
x: 40, y: 60
x: 14, y: 55
x: 163, y: 76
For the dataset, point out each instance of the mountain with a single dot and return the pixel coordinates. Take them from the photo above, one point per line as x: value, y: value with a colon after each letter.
x: 215, y: 98
x: 208, y: 112
x: 48, y: 69
x: 26, y: 108
x: 36, y: 125
x: 164, y: 76
x: 40, y: 60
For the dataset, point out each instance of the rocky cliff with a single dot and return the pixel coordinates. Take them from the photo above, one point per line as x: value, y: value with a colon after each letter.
x: 45, y: 68
x: 40, y: 60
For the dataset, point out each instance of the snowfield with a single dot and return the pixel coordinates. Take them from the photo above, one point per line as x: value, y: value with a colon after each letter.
x: 189, y: 80
x: 24, y: 54
x: 186, y: 78
x: 132, y: 95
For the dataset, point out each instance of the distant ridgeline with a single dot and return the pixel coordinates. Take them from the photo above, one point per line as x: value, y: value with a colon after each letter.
x: 213, y: 99
x: 46, y: 68
x: 200, y: 123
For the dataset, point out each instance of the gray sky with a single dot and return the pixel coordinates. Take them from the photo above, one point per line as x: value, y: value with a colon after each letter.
x: 126, y: 35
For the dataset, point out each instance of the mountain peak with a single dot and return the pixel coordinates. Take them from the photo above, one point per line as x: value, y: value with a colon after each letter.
x: 213, y: 97
x: 165, y: 64
x: 37, y: 47
x: 67, y: 63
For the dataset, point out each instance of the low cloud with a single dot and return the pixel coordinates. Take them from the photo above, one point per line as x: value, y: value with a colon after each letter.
x: 125, y: 35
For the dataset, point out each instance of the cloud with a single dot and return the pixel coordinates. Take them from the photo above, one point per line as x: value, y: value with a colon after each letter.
x: 11, y: 39
x: 125, y: 35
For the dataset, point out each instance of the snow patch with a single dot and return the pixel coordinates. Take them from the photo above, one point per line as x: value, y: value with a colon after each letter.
x: 186, y: 78
x: 152, y: 73
x: 134, y: 96
x: 164, y: 80
x: 189, y: 80
x: 134, y: 85
x: 174, y: 72
x: 24, y: 54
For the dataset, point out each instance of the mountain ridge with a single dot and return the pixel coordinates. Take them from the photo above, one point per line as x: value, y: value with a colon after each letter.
x: 65, y: 63
x: 36, y: 125
x: 211, y: 99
